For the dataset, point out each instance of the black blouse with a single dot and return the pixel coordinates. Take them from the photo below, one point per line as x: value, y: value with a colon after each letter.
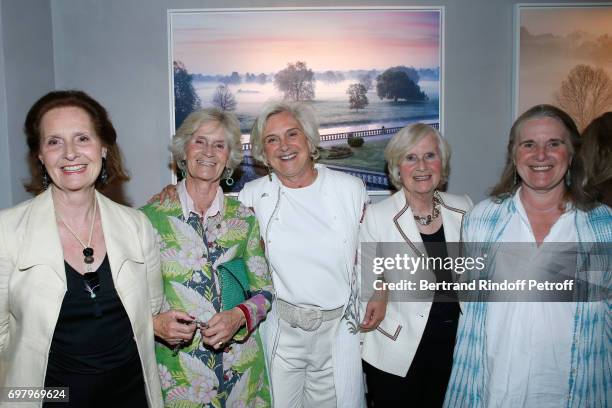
x: 93, y: 333
x: 445, y: 301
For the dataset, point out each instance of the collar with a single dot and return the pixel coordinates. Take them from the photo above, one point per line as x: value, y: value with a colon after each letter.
x: 321, y: 172
x: 41, y: 243
x: 188, y: 206
x: 520, y: 208
x: 452, y: 220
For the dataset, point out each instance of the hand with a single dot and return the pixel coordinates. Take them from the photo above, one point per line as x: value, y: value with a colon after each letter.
x: 167, y: 193
x: 375, y: 311
x: 222, y: 327
x: 174, y: 327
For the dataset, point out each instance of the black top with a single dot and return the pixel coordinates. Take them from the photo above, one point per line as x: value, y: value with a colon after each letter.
x: 92, y: 334
x: 445, y: 301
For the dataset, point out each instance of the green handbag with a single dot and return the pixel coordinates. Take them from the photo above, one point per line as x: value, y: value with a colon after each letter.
x: 234, y: 283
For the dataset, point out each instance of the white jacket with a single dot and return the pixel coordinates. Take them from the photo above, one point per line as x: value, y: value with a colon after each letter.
x: 344, y: 196
x: 33, y: 285
x: 392, y: 346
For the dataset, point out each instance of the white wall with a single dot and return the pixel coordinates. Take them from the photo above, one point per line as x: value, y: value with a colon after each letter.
x: 6, y: 199
x: 117, y: 50
x: 26, y: 73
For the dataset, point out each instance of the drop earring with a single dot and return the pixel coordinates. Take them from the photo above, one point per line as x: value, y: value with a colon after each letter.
x: 182, y: 168
x: 229, y: 181
x: 103, y: 177
x: 45, y: 177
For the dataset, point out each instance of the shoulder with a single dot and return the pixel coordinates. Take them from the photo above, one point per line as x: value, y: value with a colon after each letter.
x: 489, y: 212
x: 157, y: 211
x: 236, y: 209
x: 16, y: 219
x: 16, y: 211
x: 254, y: 189
x: 389, y: 206
x: 342, y: 181
x: 257, y: 184
x: 348, y: 190
x: 599, y: 220
x: 460, y: 202
x: 123, y: 214
x: 601, y: 212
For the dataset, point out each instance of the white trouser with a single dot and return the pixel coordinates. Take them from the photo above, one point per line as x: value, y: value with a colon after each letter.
x: 302, y: 371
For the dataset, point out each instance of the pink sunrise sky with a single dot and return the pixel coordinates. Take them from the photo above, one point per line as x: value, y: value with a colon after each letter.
x: 565, y: 20
x: 265, y: 41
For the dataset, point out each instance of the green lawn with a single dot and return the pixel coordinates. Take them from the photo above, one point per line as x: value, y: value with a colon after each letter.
x: 367, y: 157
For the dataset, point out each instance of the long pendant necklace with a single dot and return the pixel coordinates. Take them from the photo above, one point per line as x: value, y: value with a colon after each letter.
x: 88, y: 252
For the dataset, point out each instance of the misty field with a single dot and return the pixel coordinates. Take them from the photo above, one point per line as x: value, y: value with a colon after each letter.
x: 331, y: 105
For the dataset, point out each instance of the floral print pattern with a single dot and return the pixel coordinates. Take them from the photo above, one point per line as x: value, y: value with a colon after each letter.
x: 191, y: 251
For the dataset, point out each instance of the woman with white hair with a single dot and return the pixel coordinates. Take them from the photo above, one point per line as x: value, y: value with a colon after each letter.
x: 310, y: 219
x: 215, y: 275
x: 409, y: 355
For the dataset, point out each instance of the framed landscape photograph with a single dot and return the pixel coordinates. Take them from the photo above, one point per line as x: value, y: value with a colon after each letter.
x: 563, y: 57
x: 366, y: 72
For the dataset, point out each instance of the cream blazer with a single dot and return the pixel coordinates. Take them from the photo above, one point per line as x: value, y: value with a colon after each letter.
x: 33, y: 284
x: 392, y: 346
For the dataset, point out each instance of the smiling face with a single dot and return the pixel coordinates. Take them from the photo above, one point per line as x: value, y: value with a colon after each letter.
x: 542, y: 154
x: 207, y: 153
x: 287, y: 150
x: 420, y: 169
x: 70, y: 149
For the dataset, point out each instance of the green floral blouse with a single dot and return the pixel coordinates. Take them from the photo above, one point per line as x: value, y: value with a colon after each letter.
x: 190, y: 252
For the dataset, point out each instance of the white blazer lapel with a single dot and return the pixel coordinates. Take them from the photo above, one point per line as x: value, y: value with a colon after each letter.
x: 403, y: 220
x: 451, y: 220
x: 41, y: 242
x: 120, y: 236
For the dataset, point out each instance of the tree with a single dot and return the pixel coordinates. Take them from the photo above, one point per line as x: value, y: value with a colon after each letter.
x: 186, y: 99
x: 231, y: 79
x: 296, y: 82
x: 357, y: 96
x: 395, y: 83
x: 366, y: 80
x: 585, y: 94
x: 224, y: 99
x: 412, y: 73
x: 262, y: 78
x: 331, y: 77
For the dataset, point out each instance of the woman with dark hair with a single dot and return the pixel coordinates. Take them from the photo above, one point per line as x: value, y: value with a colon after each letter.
x: 596, y: 152
x: 100, y: 121
x: 81, y: 272
x: 538, y: 354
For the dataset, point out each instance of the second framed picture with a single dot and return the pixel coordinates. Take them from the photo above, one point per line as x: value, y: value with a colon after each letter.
x: 563, y: 57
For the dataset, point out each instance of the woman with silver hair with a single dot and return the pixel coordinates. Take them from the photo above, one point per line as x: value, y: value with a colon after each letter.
x: 409, y: 355
x: 215, y: 275
x: 311, y: 333
x: 549, y: 353
x: 311, y: 216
